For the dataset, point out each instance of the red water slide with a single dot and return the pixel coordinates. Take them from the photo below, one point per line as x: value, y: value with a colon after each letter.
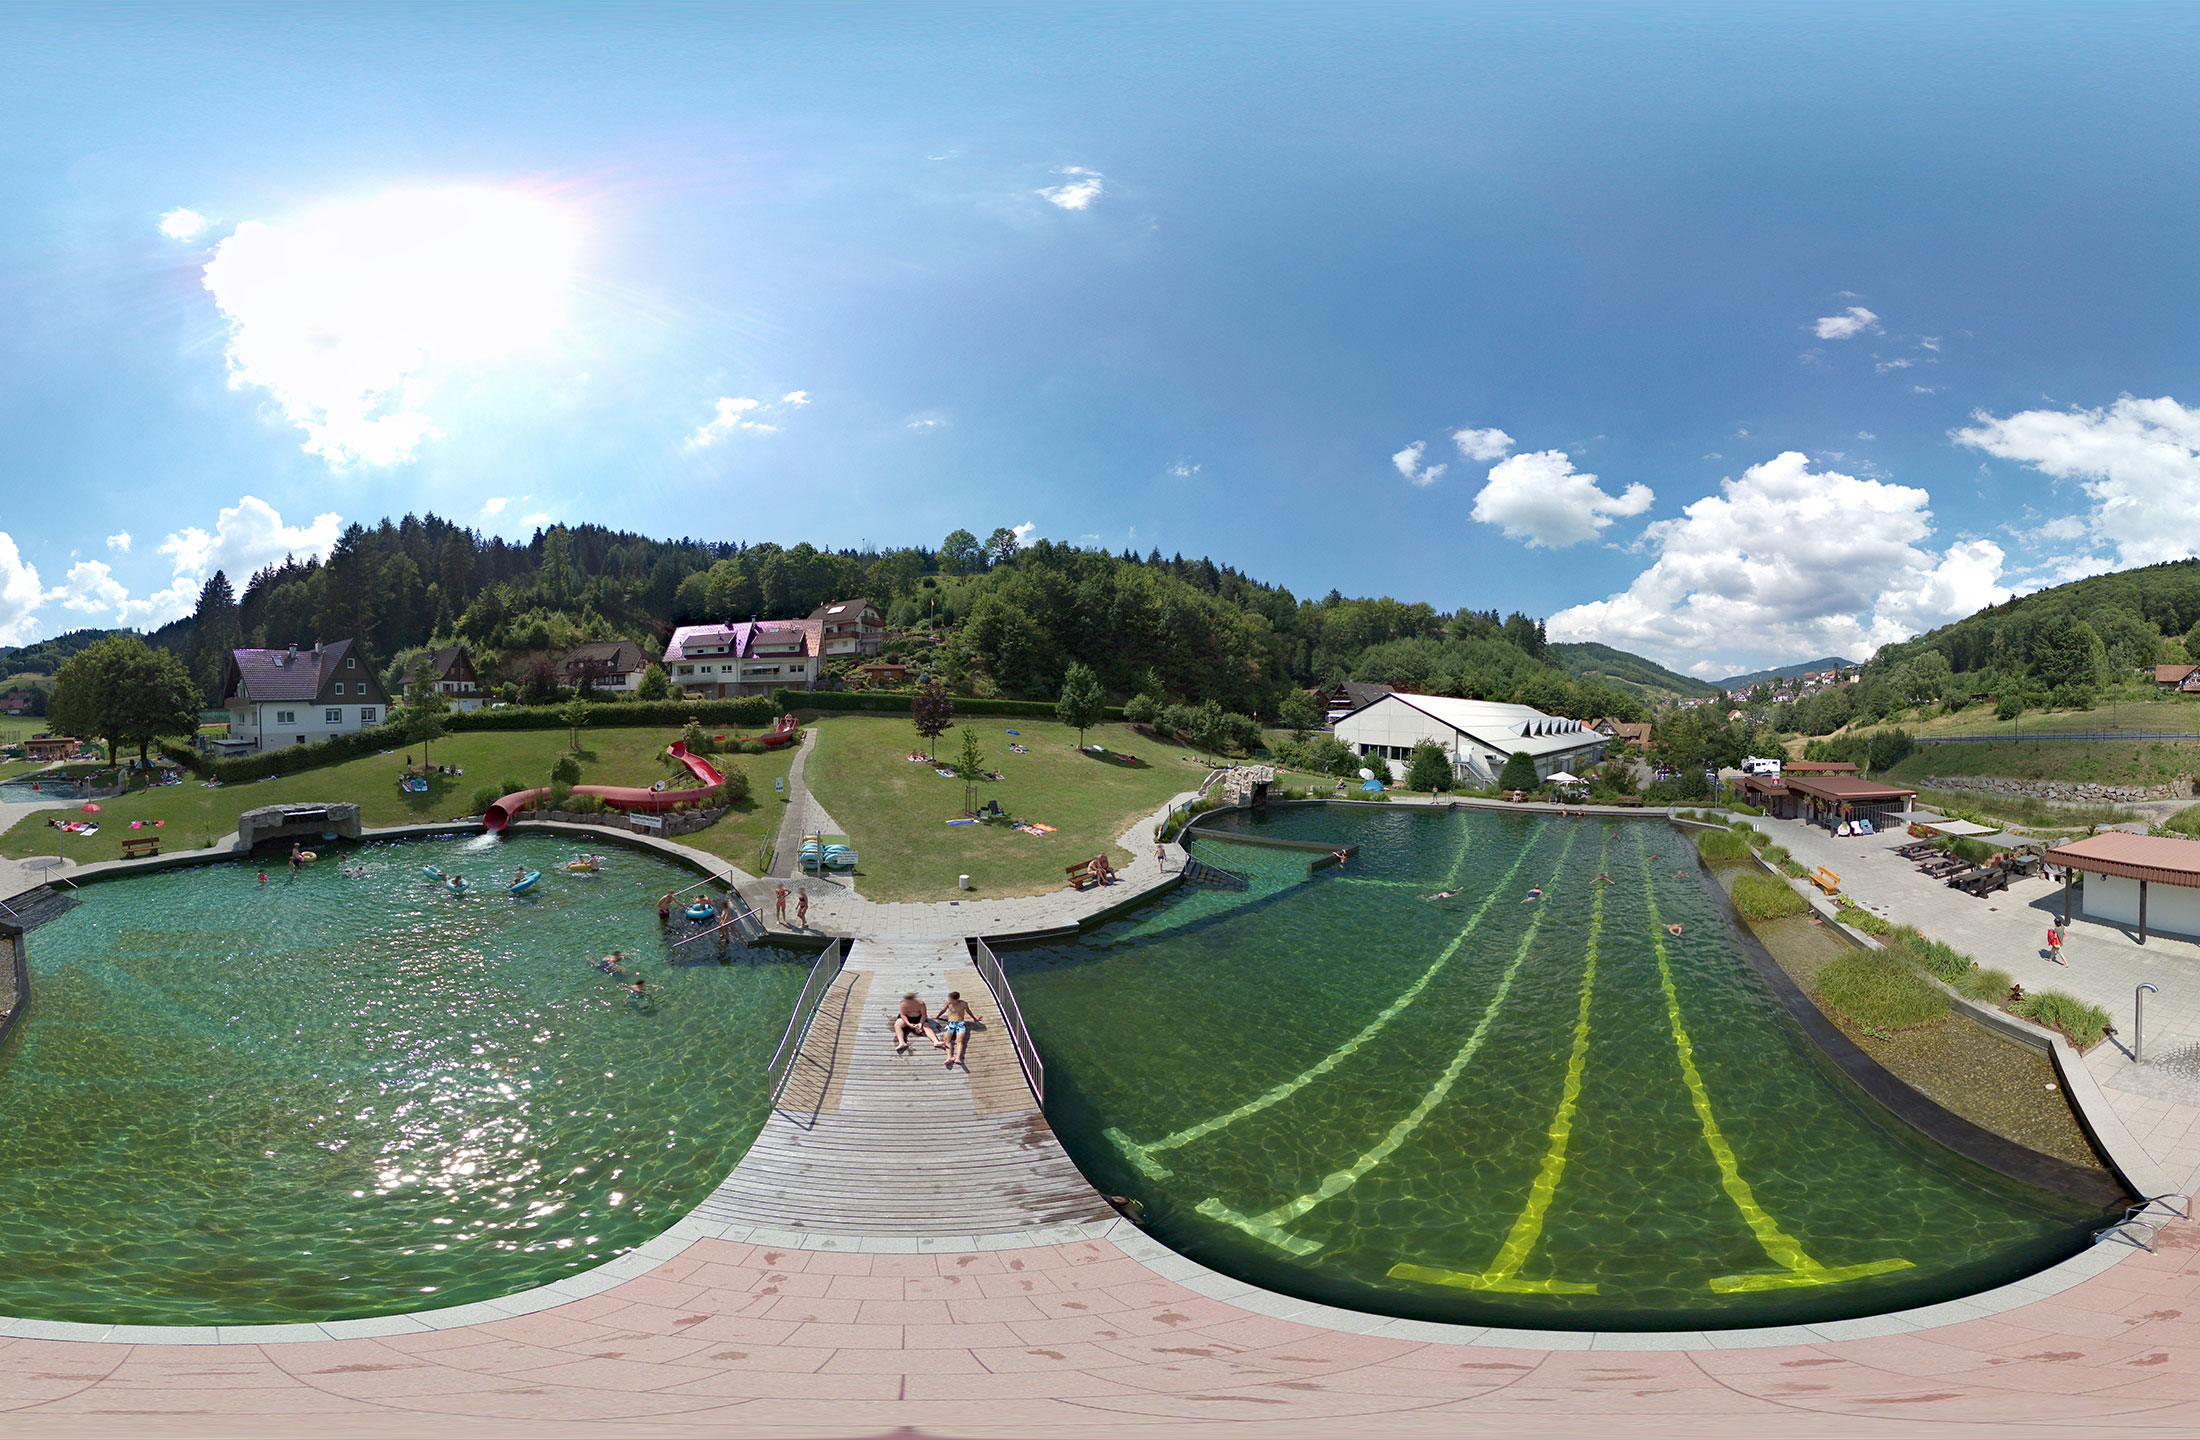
x: 620, y: 797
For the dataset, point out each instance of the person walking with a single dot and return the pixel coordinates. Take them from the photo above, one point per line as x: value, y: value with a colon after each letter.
x: 2054, y: 945
x: 780, y: 896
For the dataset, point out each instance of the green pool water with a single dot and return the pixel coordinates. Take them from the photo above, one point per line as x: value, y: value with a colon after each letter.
x: 236, y: 1103
x: 1537, y: 1112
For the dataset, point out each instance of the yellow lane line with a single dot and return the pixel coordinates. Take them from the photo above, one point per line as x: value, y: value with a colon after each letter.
x: 1783, y: 1249
x: 1504, y: 1271
x: 1143, y: 1155
x: 1269, y: 1225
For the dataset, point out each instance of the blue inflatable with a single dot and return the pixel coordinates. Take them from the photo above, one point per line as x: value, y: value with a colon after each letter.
x: 525, y: 882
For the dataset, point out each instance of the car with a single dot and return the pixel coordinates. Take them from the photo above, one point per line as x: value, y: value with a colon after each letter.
x: 1665, y: 772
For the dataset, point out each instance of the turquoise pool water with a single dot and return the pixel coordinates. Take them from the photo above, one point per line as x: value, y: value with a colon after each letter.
x: 1539, y: 1111
x: 339, y: 1096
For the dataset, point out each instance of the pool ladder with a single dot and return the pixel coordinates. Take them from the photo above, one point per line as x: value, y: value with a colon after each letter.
x: 2141, y: 1216
x: 1201, y: 873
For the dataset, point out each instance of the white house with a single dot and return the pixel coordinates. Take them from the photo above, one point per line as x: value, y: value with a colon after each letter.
x: 1479, y: 735
x: 749, y: 657
x: 294, y: 697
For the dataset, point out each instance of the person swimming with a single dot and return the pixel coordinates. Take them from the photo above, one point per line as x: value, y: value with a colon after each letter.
x: 1441, y: 895
x: 609, y: 964
x: 1535, y: 892
x: 1672, y: 928
x: 639, y: 990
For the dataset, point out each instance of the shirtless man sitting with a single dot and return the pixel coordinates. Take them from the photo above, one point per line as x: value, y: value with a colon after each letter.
x: 913, y: 1019
x: 955, y: 1018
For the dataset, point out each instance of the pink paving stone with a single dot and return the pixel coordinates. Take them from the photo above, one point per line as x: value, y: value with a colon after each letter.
x: 1102, y: 1274
x: 812, y: 1310
x: 844, y: 1336
x: 962, y: 1389
x: 1044, y: 1359
x: 903, y: 1362
x: 1069, y: 1327
x: 752, y: 1330
x: 798, y: 1282
x: 1017, y: 1283
x: 817, y: 1262
x: 813, y: 1386
x: 1099, y: 1303
x: 864, y: 1287
x: 982, y: 1311
x: 903, y: 1312
x: 984, y: 1262
x: 905, y: 1265
x: 960, y: 1335
x: 956, y: 1288
x: 583, y: 1373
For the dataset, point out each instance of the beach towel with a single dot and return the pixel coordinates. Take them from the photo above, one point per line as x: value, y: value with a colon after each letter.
x: 965, y: 820
x: 944, y: 773
x: 1012, y: 732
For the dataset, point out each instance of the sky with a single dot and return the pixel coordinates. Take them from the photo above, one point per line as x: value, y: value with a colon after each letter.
x: 1729, y: 335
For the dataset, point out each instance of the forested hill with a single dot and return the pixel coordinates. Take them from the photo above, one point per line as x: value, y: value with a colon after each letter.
x: 990, y: 617
x: 2071, y: 636
x: 1632, y: 672
x: 1742, y: 684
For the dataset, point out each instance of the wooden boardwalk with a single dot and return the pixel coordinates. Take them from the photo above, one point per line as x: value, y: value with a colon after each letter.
x: 869, y: 1142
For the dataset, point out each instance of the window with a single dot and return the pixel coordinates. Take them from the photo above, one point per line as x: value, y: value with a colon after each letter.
x: 366, y: 714
x: 706, y: 669
x: 339, y: 687
x: 351, y: 662
x: 286, y: 717
x: 332, y: 717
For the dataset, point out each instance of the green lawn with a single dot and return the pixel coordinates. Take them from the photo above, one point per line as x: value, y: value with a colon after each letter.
x: 895, y: 812
x: 2103, y: 762
x: 738, y: 835
x: 195, y: 816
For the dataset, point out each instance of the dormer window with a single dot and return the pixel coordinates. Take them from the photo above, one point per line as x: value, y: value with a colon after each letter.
x: 351, y: 662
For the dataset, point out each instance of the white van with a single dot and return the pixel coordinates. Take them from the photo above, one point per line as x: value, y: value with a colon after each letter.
x: 1760, y: 765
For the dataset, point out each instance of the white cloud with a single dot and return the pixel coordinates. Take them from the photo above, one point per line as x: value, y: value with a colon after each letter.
x: 2138, y: 461
x: 796, y: 398
x: 1849, y: 324
x: 91, y: 589
x: 1866, y: 435
x: 120, y: 540
x: 729, y: 419
x: 927, y: 422
x: 1024, y: 533
x: 1925, y: 389
x: 1183, y: 471
x: 351, y: 316
x: 1930, y: 342
x: 1786, y: 564
x: 247, y: 536
x: 1409, y: 464
x: 1078, y: 191
x: 1901, y: 363
x: 495, y: 504
x: 182, y: 224
x: 540, y: 517
x: 1482, y: 444
x: 19, y: 594
x: 1539, y: 497
x: 2062, y: 527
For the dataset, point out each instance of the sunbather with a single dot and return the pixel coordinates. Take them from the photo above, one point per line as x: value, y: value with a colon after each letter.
x: 912, y: 1018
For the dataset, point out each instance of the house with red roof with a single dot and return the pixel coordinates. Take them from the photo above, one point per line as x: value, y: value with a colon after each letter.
x: 295, y: 697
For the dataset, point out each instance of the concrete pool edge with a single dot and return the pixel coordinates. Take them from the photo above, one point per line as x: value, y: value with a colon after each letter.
x: 1155, y: 1257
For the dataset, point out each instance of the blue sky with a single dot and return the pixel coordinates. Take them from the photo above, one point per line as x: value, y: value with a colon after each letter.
x: 1740, y: 334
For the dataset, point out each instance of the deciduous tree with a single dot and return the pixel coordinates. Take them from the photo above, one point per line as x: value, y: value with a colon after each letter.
x: 124, y: 692
x: 1082, y: 704
x: 931, y: 711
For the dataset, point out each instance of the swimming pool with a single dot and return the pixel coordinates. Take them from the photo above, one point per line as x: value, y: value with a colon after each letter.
x: 234, y: 1103
x: 1528, y: 1103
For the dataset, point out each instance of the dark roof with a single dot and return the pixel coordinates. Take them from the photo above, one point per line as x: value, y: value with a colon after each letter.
x: 441, y: 661
x: 1839, y: 788
x: 2161, y: 858
x: 2172, y: 674
x: 1361, y: 693
x: 296, y: 674
x: 619, y: 655
x: 842, y: 610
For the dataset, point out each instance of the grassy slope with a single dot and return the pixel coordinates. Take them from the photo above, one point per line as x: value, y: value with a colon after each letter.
x: 2107, y: 762
x: 896, y: 812
x: 609, y: 756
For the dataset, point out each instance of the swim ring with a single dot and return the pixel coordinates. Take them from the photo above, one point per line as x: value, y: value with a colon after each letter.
x: 525, y: 882
x: 700, y: 911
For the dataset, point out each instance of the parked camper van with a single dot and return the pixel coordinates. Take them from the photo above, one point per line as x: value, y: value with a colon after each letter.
x: 1760, y: 765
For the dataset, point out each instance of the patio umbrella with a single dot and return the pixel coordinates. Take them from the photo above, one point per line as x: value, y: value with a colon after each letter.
x: 87, y: 806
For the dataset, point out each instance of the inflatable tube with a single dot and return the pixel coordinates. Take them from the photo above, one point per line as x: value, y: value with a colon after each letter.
x: 701, y: 912
x: 526, y: 883
x: 455, y: 885
x: 432, y: 873
x: 581, y: 867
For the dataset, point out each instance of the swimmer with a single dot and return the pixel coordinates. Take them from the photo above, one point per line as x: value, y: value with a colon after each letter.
x: 1342, y: 856
x: 519, y: 874
x: 1671, y: 928
x: 263, y: 877
x: 610, y: 963
x: 1440, y: 895
x: 1535, y: 892
x: 664, y: 908
x: 639, y: 990
x: 1604, y: 879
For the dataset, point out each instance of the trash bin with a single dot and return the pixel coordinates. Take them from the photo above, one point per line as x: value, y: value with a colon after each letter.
x: 962, y: 882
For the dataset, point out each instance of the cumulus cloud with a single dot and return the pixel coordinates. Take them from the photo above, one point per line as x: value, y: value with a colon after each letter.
x: 1482, y: 444
x: 20, y: 593
x: 1076, y: 192
x: 91, y: 589
x: 927, y: 422
x: 120, y: 540
x: 1785, y: 564
x: 2138, y: 461
x: 495, y: 504
x: 1847, y: 325
x: 182, y: 224
x: 350, y: 317
x: 1539, y: 497
x: 1183, y: 470
x: 540, y: 517
x: 1409, y: 464
x: 795, y: 398
x: 1024, y: 533
x: 737, y: 414
x: 247, y: 536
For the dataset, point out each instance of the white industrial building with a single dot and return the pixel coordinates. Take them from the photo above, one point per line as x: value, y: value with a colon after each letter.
x: 1479, y: 735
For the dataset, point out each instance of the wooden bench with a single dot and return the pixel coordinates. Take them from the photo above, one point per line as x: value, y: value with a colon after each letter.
x: 1634, y: 800
x: 140, y: 847
x: 1825, y: 880
x: 1080, y: 875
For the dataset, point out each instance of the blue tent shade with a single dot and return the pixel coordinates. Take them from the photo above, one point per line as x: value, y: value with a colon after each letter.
x: 1005, y: 732
x: 1371, y: 783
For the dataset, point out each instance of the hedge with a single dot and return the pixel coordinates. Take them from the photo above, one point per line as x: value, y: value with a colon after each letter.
x: 893, y: 702
x: 754, y: 711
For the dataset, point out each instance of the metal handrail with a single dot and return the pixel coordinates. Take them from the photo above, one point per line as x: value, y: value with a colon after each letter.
x: 823, y: 972
x: 989, y: 970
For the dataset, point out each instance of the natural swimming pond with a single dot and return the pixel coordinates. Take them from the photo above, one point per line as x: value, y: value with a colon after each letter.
x: 1527, y: 1103
x: 329, y: 1096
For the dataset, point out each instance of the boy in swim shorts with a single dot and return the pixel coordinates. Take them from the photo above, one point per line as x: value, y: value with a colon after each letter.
x: 955, y: 1018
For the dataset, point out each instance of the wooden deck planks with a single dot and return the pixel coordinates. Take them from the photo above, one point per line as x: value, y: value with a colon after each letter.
x: 875, y: 1142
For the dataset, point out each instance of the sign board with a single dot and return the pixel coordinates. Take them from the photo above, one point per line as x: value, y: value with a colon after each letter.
x: 779, y: 786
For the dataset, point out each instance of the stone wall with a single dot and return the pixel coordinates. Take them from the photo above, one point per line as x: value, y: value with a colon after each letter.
x: 680, y: 822
x: 2058, y: 789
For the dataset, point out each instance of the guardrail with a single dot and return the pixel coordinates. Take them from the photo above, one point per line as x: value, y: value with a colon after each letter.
x: 12, y: 953
x: 1012, y: 1018
x: 823, y: 973
x: 1999, y: 738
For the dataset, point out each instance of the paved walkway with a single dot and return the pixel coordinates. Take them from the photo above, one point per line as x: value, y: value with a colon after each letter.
x: 870, y: 1141
x: 2009, y: 930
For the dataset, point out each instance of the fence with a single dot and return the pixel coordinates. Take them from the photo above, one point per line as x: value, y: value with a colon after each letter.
x: 19, y: 979
x: 1012, y: 1017
x: 822, y: 975
x: 2035, y: 736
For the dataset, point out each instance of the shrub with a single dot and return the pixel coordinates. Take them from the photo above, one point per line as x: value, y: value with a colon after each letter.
x: 2084, y: 1024
x: 1936, y: 956
x: 1978, y: 852
x: 566, y: 773
x: 2009, y: 708
x: 1141, y: 709
x: 1740, y: 809
x: 1986, y: 985
x: 1793, y: 869
x: 1776, y: 854
x: 1858, y: 918
x: 736, y: 788
x: 1429, y: 769
x: 1519, y: 773
x: 1878, y: 990
x: 1721, y: 847
x: 511, y: 784
x: 1760, y: 897
x: 485, y: 796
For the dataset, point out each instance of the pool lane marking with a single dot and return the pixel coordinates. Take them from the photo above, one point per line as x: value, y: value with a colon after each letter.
x: 1783, y: 1249
x: 1269, y: 1225
x: 1143, y: 1155
x: 1451, y: 881
x: 1527, y: 1228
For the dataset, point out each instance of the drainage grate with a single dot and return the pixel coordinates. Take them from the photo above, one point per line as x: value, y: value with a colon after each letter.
x: 2183, y: 1064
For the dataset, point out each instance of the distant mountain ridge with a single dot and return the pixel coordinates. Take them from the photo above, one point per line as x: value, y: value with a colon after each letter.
x: 1785, y: 672
x: 1633, y: 672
